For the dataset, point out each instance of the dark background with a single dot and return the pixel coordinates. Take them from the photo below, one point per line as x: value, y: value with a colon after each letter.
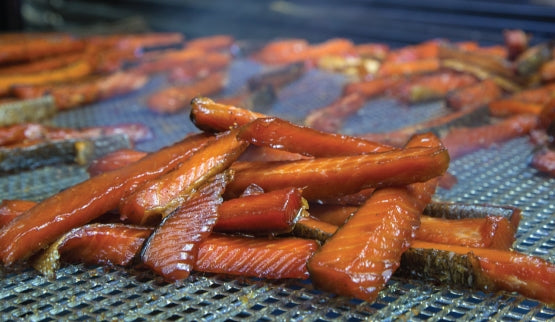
x: 395, y: 22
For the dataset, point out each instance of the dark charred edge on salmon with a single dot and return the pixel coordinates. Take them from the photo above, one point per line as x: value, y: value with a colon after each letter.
x: 80, y: 151
x: 278, y: 77
x: 444, y: 267
x: 262, y: 99
x: 449, y: 210
x: 305, y: 229
x: 530, y: 61
x: 31, y: 110
x: 478, y: 117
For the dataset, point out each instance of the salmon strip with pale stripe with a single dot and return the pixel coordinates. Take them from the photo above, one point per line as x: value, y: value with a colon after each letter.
x: 257, y: 257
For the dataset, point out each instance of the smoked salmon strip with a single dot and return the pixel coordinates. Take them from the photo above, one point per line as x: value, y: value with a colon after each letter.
x: 392, y: 68
x: 463, y: 140
x: 508, y: 107
x: 74, y: 71
x: 211, y: 116
x: 171, y: 250
x: 159, y: 197
x: 94, y: 244
x: 115, y: 160
x: 330, y: 117
x: 363, y: 254
x: 83, y: 202
x: 199, y: 68
x: 280, y: 134
x: 9, y: 209
x: 333, y: 176
x: 474, y: 96
x: 429, y: 87
x: 489, y: 232
x: 211, y: 43
x: 257, y: 257
x: 507, y: 270
x: 272, y: 212
x: 175, y: 98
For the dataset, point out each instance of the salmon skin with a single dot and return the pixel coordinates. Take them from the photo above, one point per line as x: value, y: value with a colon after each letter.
x: 492, y: 270
x: 80, y: 151
x: 171, y: 250
x: 32, y: 110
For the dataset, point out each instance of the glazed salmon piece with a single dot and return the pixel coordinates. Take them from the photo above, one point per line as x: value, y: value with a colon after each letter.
x: 474, y: 96
x: 362, y: 255
x: 175, y: 98
x: 171, y: 250
x: 330, y: 117
x: 94, y: 244
x: 332, y: 176
x: 266, y: 213
x: 211, y: 116
x: 114, y: 160
x: 158, y: 198
x: 9, y: 209
x: 83, y: 202
x: 529, y: 275
x: 508, y: 107
x: 257, y: 257
x: 280, y: 134
x: 489, y: 232
x: 463, y: 140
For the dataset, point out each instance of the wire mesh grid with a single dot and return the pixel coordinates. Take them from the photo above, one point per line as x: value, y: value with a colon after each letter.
x: 499, y: 175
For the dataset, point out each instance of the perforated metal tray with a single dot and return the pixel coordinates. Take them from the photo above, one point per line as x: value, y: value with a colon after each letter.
x: 499, y: 175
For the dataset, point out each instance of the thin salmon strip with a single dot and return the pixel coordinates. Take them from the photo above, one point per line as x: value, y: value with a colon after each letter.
x: 9, y: 209
x: 474, y: 96
x: 364, y: 253
x: 115, y: 160
x: 280, y: 134
x: 94, y: 244
x: 489, y: 232
x: 463, y: 140
x: 178, y: 97
x: 266, y: 213
x: 158, y: 198
x: 172, y: 249
x: 508, y: 270
x: 330, y: 117
x: 211, y: 116
x: 333, y: 176
x: 79, y: 204
x: 256, y: 257
x: 508, y: 107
